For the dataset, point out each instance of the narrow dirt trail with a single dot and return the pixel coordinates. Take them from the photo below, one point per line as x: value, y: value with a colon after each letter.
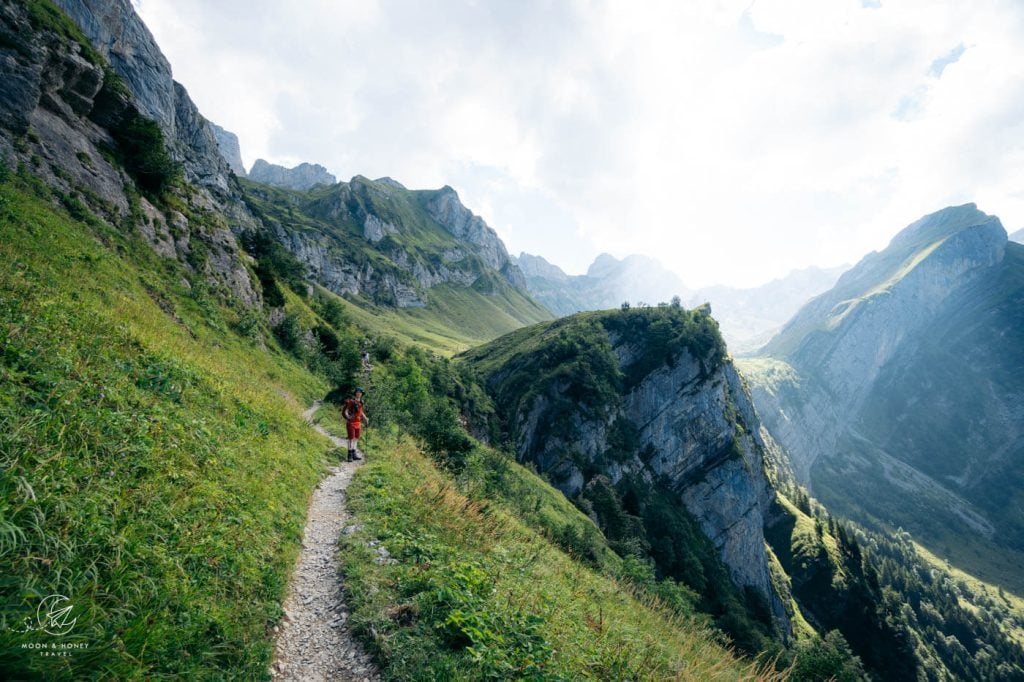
x: 314, y: 641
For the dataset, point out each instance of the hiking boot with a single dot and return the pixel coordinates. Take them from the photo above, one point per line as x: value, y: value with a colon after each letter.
x: 351, y: 455
x: 356, y: 456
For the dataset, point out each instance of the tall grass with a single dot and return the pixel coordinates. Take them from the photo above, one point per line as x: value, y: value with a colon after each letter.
x: 465, y: 590
x: 155, y: 468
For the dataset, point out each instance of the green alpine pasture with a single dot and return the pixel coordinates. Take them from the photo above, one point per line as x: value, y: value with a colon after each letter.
x: 156, y: 471
x: 471, y: 590
x: 156, y: 468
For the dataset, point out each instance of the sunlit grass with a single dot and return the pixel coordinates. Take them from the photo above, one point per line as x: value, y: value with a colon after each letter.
x: 155, y: 466
x: 475, y: 593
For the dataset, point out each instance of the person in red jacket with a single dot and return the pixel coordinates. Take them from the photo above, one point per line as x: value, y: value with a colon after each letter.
x: 354, y: 413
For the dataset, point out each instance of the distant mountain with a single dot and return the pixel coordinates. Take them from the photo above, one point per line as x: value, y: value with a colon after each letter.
x: 747, y: 316
x: 423, y: 263
x: 1018, y: 237
x: 899, y: 393
x: 608, y: 283
x: 750, y: 316
x: 302, y: 177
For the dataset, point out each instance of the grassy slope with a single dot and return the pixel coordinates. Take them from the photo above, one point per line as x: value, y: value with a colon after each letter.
x: 455, y: 319
x: 472, y: 591
x: 176, y: 450
x: 156, y: 472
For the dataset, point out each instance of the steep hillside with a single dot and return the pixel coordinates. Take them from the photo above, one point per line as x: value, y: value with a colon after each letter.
x: 417, y: 263
x: 898, y: 393
x: 637, y: 417
x: 388, y: 249
x: 156, y: 464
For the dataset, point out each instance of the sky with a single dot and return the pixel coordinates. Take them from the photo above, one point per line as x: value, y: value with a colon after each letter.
x: 734, y: 141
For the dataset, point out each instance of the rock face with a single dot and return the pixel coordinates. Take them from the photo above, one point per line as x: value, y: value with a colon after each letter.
x: 60, y: 110
x: 693, y: 429
x: 227, y: 143
x: 375, y: 239
x: 898, y: 393
x: 302, y: 177
x: 445, y: 207
x: 118, y: 33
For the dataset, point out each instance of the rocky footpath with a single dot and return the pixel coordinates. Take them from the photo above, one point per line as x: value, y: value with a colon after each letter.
x: 314, y: 641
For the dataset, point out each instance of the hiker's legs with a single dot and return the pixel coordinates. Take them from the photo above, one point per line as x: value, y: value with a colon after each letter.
x: 353, y: 441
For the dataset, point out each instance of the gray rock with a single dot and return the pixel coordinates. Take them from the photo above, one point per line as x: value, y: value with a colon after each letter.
x: 684, y: 416
x: 118, y: 33
x: 227, y: 143
x: 446, y: 208
x: 302, y: 177
x: 375, y: 229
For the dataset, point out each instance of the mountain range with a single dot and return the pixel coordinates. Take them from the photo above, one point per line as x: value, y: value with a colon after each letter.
x: 898, y: 393
x: 595, y: 496
x: 748, y: 317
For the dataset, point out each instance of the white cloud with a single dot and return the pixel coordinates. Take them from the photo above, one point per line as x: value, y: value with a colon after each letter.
x: 732, y: 140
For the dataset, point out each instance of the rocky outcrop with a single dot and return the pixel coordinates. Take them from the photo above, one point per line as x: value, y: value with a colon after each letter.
x: 118, y: 33
x: 535, y: 266
x: 841, y: 341
x: 302, y: 177
x: 346, y: 277
x: 694, y: 430
x: 445, y: 207
x: 61, y: 111
x: 227, y: 143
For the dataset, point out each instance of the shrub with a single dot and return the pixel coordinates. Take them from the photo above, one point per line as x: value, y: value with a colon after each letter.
x: 140, y: 143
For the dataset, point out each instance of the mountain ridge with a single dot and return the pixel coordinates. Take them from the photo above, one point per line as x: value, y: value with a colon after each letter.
x: 889, y: 365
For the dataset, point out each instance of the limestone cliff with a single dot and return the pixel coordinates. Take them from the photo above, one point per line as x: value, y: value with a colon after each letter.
x: 898, y: 393
x: 118, y: 33
x: 677, y: 417
x: 445, y: 207
x: 227, y: 142
x: 302, y: 177
x: 376, y: 240
x: 68, y: 115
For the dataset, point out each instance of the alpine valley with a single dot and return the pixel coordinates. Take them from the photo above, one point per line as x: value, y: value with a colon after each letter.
x: 558, y: 485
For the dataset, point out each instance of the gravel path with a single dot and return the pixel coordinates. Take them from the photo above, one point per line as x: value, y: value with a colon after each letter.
x: 314, y: 641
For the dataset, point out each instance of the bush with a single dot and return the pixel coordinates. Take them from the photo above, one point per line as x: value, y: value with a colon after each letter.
x: 140, y: 143
x: 443, y: 435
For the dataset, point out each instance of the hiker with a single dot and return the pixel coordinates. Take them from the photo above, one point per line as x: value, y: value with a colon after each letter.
x: 354, y: 413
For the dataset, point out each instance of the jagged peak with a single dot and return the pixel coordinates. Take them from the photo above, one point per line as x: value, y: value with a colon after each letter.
x: 303, y: 176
